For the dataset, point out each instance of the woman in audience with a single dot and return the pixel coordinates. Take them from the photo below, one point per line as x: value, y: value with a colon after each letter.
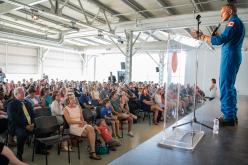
x: 158, y: 98
x: 213, y: 90
x: 95, y: 96
x: 34, y: 100
x: 78, y: 127
x: 148, y: 104
x: 46, y: 99
x: 62, y: 95
x: 57, y: 107
x: 57, y: 110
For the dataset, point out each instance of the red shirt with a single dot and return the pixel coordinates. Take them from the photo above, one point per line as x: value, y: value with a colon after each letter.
x: 106, y: 135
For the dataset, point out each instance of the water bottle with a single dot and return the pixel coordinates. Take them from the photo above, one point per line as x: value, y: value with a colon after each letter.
x: 216, y: 126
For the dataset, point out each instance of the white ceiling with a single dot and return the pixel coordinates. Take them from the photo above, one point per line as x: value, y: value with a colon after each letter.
x: 16, y: 15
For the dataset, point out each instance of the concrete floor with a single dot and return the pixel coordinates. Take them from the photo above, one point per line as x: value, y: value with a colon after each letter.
x: 142, y: 130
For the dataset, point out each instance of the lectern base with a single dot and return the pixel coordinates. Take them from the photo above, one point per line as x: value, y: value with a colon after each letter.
x: 182, y: 139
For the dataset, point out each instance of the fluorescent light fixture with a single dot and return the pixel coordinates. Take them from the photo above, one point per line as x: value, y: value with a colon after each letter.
x: 186, y: 40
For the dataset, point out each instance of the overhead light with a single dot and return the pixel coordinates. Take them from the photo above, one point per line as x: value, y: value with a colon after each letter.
x: 34, y: 14
x: 120, y: 40
x: 100, y: 34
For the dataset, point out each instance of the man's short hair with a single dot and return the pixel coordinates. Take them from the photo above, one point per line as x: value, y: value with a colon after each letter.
x: 232, y: 7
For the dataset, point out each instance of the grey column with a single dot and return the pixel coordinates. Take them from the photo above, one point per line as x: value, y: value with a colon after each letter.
x: 129, y: 53
x: 161, y: 67
x: 94, y: 68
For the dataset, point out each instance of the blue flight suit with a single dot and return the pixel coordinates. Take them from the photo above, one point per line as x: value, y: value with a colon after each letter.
x: 231, y: 57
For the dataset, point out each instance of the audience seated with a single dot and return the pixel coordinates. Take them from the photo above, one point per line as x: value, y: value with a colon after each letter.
x: 95, y: 96
x: 107, y: 113
x: 148, y: 104
x: 78, y: 127
x: 121, y: 111
x: 46, y: 99
x: 116, y: 103
x: 20, y: 114
x: 89, y: 112
x: 57, y: 107
x: 103, y: 130
x: 7, y: 156
x: 213, y: 90
x: 34, y: 100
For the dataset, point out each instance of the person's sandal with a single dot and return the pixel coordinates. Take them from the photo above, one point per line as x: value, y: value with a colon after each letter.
x: 95, y: 157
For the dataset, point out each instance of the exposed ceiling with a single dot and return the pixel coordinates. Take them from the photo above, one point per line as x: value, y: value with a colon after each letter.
x: 84, y: 23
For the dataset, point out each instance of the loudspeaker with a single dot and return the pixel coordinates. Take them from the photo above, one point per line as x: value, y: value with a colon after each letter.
x: 123, y: 65
x: 157, y: 69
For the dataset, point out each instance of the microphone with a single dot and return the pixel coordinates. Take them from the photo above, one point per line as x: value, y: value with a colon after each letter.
x: 215, y: 30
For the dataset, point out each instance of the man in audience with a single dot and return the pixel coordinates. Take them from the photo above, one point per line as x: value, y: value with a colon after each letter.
x: 111, y: 78
x: 2, y: 75
x: 20, y: 114
x: 89, y: 112
x: 122, y: 112
x: 105, y: 92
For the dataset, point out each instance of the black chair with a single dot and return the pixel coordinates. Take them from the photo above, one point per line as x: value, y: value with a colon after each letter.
x: 47, y: 132
x: 145, y: 113
x: 4, y: 130
x: 66, y: 132
x: 42, y: 112
x: 122, y: 122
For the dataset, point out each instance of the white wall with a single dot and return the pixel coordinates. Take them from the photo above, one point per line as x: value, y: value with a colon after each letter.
x: 209, y: 63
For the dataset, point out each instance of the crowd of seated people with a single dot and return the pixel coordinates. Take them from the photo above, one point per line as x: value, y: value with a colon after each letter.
x: 83, y: 104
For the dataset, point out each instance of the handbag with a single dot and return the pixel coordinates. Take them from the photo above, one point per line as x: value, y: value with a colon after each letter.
x: 101, y: 149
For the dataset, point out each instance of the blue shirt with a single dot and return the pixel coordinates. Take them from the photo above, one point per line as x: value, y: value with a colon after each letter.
x: 106, y: 111
x: 83, y: 99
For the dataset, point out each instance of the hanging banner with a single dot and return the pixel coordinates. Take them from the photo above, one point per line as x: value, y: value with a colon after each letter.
x: 174, y: 62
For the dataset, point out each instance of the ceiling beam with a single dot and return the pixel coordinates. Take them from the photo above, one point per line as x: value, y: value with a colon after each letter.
x: 7, y: 7
x: 108, y: 9
x: 209, y: 18
x: 137, y: 7
x: 78, y: 9
x: 169, y: 11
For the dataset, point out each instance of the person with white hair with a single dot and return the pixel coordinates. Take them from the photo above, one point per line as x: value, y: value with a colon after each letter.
x: 20, y: 115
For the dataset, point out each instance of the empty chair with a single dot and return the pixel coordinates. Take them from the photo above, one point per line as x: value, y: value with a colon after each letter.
x: 42, y: 112
x: 48, y: 128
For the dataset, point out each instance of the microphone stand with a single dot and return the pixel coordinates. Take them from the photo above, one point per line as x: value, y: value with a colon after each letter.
x: 194, y: 119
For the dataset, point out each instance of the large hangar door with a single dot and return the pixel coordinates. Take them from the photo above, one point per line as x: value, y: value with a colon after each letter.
x: 18, y: 62
x: 63, y: 65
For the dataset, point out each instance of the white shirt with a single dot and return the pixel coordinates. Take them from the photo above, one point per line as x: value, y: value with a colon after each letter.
x: 56, y: 108
x: 157, y: 99
x: 213, y: 92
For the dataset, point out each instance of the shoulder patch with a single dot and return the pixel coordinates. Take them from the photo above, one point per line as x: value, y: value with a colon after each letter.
x: 231, y: 24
